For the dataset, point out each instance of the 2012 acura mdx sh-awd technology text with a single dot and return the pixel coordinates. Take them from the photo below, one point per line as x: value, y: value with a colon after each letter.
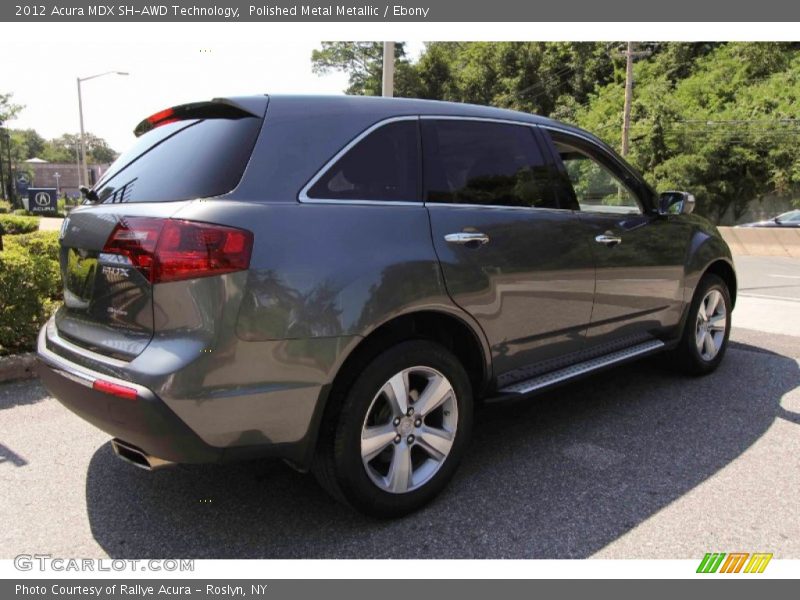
x: 338, y: 280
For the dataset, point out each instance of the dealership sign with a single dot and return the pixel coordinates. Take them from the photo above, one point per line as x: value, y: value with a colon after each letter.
x: 23, y: 183
x: 43, y: 201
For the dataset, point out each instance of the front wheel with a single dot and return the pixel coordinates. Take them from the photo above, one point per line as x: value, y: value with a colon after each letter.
x: 708, y: 326
x: 401, y: 431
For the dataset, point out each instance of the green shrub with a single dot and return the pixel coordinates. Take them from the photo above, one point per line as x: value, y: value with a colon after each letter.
x: 5, y: 207
x: 13, y: 224
x: 41, y: 243
x: 21, y: 212
x: 29, y: 291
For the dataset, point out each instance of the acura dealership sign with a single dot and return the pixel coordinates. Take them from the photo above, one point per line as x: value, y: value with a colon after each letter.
x: 43, y: 201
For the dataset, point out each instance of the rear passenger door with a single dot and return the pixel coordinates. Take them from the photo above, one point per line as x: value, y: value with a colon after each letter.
x: 511, y: 253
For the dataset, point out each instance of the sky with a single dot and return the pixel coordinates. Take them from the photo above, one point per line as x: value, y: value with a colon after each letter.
x: 172, y: 63
x: 163, y: 71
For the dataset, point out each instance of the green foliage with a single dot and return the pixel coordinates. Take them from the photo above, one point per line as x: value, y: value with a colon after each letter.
x: 526, y: 76
x: 5, y: 207
x: 363, y: 62
x: 8, y: 110
x: 41, y: 243
x: 27, y: 144
x: 720, y: 120
x: 63, y: 149
x: 13, y: 224
x: 29, y: 288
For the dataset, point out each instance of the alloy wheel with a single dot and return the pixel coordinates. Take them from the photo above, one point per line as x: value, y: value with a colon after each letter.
x: 712, y: 321
x: 409, y: 429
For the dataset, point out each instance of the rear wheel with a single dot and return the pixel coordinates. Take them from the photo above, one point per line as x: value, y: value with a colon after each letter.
x: 708, y: 326
x: 401, y: 431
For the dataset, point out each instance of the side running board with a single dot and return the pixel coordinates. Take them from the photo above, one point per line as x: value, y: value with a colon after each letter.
x: 553, y: 377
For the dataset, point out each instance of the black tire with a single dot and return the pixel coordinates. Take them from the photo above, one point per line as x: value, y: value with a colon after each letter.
x: 338, y: 463
x: 687, y: 357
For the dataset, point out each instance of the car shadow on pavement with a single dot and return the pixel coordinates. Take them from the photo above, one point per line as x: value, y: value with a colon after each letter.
x: 19, y: 393
x: 557, y: 476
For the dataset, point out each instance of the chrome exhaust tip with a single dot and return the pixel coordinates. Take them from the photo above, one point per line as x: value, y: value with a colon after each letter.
x: 137, y: 457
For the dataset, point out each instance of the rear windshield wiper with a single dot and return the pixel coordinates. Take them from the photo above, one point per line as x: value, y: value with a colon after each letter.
x: 89, y: 194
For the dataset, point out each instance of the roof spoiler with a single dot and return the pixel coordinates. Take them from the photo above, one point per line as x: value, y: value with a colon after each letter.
x: 217, y: 108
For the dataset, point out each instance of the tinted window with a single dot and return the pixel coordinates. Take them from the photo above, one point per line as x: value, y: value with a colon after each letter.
x: 597, y: 189
x: 382, y: 166
x: 476, y: 162
x: 179, y: 162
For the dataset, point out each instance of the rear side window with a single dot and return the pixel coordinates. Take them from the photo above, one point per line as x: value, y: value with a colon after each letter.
x: 484, y: 163
x: 382, y: 166
x: 181, y: 161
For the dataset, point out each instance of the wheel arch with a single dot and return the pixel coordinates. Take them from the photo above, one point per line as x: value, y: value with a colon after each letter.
x: 464, y: 339
x: 725, y: 271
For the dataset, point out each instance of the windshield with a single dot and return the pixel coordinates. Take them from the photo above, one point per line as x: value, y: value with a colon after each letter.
x: 793, y: 216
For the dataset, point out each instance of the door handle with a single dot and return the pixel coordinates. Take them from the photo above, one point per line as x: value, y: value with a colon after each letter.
x: 608, y: 239
x: 467, y: 238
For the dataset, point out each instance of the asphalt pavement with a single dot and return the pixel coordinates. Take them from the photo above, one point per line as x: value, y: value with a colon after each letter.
x: 637, y: 462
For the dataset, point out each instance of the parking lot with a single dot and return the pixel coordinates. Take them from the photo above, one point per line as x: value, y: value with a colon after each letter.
x: 638, y: 462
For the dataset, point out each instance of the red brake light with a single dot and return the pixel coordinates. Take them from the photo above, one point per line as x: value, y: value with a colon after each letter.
x: 171, y: 250
x: 121, y: 391
x: 162, y: 117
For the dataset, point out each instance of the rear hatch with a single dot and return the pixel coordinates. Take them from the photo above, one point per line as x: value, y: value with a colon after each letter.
x: 117, y: 247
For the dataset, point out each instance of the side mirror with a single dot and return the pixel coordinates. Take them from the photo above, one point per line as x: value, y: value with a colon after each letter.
x: 675, y: 203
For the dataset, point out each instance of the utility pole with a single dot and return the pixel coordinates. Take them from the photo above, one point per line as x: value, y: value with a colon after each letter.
x: 630, y: 54
x: 11, y: 183
x: 388, y: 69
x: 2, y: 177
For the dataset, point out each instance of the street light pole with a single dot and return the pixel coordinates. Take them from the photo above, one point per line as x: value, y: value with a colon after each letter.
x: 82, y: 166
x: 83, y: 169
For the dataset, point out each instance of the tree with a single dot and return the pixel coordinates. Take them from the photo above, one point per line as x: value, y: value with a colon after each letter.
x: 8, y: 110
x: 529, y: 76
x: 717, y: 119
x: 25, y: 144
x: 363, y: 62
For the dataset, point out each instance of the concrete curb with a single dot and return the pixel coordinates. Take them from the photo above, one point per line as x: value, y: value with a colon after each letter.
x: 17, y: 366
x: 763, y: 241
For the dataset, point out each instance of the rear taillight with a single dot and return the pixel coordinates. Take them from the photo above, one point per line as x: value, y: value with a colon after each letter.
x: 171, y: 250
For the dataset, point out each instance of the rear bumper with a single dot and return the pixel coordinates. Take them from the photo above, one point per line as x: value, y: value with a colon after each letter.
x: 145, y: 422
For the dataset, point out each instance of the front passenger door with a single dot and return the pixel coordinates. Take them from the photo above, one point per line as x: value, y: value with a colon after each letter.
x: 639, y: 255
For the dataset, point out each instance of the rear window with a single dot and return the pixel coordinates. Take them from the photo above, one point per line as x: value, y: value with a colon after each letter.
x: 181, y: 161
x: 384, y: 166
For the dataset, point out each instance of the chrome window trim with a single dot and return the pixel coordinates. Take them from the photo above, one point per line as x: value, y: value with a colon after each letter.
x: 305, y: 199
x: 303, y: 196
x: 496, y: 207
x: 483, y: 119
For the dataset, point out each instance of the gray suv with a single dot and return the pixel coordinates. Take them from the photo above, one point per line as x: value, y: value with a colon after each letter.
x: 336, y: 281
